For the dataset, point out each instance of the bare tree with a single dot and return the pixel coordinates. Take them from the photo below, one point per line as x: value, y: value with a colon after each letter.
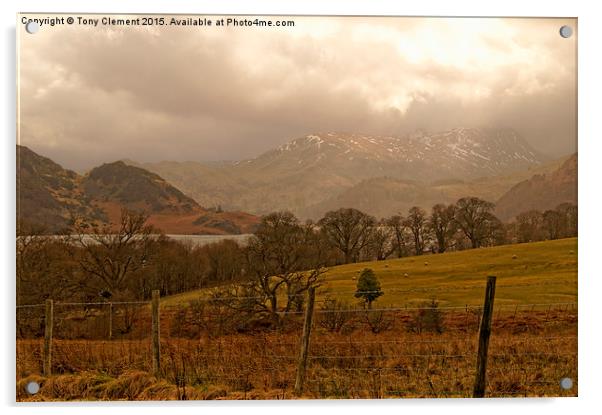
x: 349, y: 230
x: 529, y: 226
x: 569, y: 213
x: 383, y: 242
x: 45, y: 265
x: 396, y: 223
x: 443, y: 225
x: 553, y: 224
x: 112, y: 253
x: 416, y: 222
x: 284, y: 259
x: 475, y: 219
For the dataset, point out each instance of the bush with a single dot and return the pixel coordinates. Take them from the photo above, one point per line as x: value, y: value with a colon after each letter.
x: 335, y: 315
x: 427, y: 319
x: 178, y: 326
x: 378, y: 321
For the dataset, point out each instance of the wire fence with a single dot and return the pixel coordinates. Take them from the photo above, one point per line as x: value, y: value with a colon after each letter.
x: 428, y: 350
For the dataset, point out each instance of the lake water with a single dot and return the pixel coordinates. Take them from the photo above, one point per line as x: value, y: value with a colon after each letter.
x: 201, y: 240
x: 198, y: 240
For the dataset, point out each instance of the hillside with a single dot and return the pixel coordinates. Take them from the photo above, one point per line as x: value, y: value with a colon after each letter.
x: 386, y: 196
x: 50, y: 195
x: 310, y: 170
x: 541, y: 191
x: 136, y: 189
x: 543, y: 272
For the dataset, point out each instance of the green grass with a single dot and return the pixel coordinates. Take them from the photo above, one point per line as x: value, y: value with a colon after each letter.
x: 541, y: 272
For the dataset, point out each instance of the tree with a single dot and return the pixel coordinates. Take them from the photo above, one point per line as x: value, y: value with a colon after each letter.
x: 569, y: 213
x: 396, y: 223
x: 349, y: 230
x: 368, y: 287
x: 553, y: 224
x: 475, y: 219
x: 416, y: 222
x: 529, y: 226
x: 283, y: 257
x: 382, y: 244
x: 46, y: 266
x: 112, y: 254
x: 443, y: 225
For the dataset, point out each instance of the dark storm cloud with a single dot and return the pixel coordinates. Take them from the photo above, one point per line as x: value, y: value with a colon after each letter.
x: 94, y: 95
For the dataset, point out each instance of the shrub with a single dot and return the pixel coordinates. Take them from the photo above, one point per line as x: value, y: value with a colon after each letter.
x: 335, y: 314
x: 428, y: 318
x: 378, y: 321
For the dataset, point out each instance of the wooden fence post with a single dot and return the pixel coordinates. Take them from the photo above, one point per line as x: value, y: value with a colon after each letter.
x: 302, y: 365
x: 48, y: 325
x: 110, y: 321
x: 484, y: 333
x: 156, y: 346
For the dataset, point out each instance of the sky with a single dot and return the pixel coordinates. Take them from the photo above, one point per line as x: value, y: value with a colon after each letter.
x: 90, y: 95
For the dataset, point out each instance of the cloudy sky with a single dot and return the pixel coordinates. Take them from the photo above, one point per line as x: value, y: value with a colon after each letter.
x: 93, y: 95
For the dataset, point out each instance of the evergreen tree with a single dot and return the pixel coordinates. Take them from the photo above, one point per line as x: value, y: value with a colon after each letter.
x: 368, y: 287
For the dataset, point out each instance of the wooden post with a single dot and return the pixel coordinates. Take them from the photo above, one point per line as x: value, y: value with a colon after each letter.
x: 48, y: 325
x: 302, y: 365
x: 110, y: 321
x: 156, y: 346
x: 484, y: 333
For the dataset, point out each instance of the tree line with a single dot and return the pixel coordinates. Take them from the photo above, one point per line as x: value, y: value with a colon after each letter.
x: 284, y: 257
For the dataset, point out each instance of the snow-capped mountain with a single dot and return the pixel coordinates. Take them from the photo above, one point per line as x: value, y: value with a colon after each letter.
x: 310, y: 169
x: 460, y: 153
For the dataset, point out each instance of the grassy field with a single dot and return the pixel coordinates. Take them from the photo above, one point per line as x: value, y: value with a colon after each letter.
x: 532, y: 347
x: 539, y: 272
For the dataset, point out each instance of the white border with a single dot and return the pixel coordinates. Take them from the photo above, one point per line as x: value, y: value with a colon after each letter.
x: 590, y: 175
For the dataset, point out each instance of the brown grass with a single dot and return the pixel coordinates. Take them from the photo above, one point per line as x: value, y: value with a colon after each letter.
x: 530, y: 352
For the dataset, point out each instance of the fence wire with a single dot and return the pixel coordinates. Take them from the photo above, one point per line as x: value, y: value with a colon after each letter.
x: 392, y: 351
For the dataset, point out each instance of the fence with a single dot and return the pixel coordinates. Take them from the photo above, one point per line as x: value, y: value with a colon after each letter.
x: 320, y: 351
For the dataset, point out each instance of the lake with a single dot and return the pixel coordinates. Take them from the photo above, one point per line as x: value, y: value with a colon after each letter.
x: 201, y: 240
x: 198, y: 240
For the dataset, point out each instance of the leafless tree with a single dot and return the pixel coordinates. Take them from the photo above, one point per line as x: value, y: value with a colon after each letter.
x: 284, y: 259
x: 416, y: 223
x: 475, y: 219
x: 569, y: 213
x: 383, y: 242
x: 349, y: 230
x: 529, y: 226
x: 553, y: 224
x: 46, y: 266
x: 112, y: 253
x: 396, y: 223
x: 443, y: 225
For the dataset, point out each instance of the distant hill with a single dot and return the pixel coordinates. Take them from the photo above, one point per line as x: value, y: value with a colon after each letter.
x: 51, y: 196
x: 135, y: 188
x: 386, y: 196
x: 317, y: 168
x: 541, y: 191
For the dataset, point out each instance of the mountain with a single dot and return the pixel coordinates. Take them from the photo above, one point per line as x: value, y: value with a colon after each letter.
x: 541, y: 192
x: 137, y: 189
x: 51, y: 195
x: 386, y: 196
x: 209, y: 184
x: 48, y: 194
x: 316, y: 168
